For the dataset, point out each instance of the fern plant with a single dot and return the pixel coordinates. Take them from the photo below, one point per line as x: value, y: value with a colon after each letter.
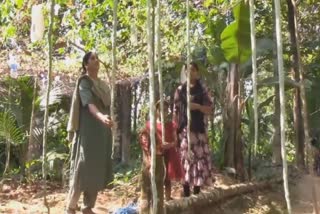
x: 10, y: 133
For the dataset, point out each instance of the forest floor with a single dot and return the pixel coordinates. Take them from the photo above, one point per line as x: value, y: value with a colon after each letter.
x: 28, y: 199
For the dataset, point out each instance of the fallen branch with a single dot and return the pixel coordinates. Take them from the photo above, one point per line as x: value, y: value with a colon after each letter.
x: 214, y: 196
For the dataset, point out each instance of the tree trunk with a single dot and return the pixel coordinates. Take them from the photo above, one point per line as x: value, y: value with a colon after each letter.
x: 8, y: 145
x: 122, y: 117
x: 7, y: 164
x: 303, y: 102
x: 233, y: 156
x: 159, y: 70
x: 114, y: 68
x: 215, y: 196
x: 282, y: 103
x: 32, y: 141
x: 28, y: 118
x: 135, y: 108
x: 125, y: 121
x: 239, y: 159
x: 150, y: 34
x: 297, y: 112
x: 276, y: 141
x: 46, y: 114
x: 254, y: 75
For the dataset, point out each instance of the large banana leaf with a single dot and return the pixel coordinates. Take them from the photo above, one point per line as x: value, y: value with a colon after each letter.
x: 235, y: 38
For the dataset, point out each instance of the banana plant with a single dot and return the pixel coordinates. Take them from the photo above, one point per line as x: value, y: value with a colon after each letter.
x: 235, y: 38
x: 235, y: 44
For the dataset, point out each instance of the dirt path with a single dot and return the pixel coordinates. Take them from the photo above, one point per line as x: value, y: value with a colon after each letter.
x: 272, y: 201
x: 28, y: 199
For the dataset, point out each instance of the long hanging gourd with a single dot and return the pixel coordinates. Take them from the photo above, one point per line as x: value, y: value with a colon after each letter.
x: 150, y: 18
x: 254, y: 75
x: 188, y: 79
x: 46, y: 113
x: 282, y: 103
x: 114, y: 67
x: 158, y: 60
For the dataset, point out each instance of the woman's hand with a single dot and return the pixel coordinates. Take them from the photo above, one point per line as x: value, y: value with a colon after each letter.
x: 195, y: 106
x: 105, y: 119
x: 202, y: 108
x: 167, y: 145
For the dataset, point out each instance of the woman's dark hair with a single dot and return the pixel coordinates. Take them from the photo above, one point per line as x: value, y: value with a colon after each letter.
x: 195, y: 65
x: 85, y: 61
x: 192, y: 64
x: 165, y: 103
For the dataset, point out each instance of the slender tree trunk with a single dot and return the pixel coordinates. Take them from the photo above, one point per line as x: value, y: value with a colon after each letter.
x: 7, y: 164
x: 238, y: 145
x: 27, y: 113
x: 46, y: 114
x: 124, y: 114
x: 254, y: 75
x: 31, y: 140
x: 249, y: 162
x: 282, y: 103
x: 297, y: 112
x: 150, y: 33
x: 188, y: 78
x: 135, y: 108
x: 8, y: 145
x: 230, y: 116
x: 114, y: 68
x: 158, y: 60
x: 293, y: 10
x: 276, y: 140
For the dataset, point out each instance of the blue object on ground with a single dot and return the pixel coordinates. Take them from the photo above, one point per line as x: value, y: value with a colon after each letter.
x: 130, y: 209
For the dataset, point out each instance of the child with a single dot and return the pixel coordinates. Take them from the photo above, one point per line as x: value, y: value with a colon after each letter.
x: 172, y: 159
x: 146, y: 194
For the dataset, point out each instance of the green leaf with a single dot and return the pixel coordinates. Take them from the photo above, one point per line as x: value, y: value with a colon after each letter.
x: 235, y: 38
x: 19, y: 3
x: 8, y: 128
x: 207, y: 3
x: 10, y: 31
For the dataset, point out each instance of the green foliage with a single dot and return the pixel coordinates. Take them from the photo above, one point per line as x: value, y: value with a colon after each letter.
x: 235, y: 39
x: 9, y: 131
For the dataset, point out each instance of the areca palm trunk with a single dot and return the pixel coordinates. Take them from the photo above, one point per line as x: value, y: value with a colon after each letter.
x: 188, y: 79
x: 254, y: 74
x: 158, y: 60
x: 46, y: 113
x: 276, y: 144
x: 114, y: 67
x: 282, y: 103
x: 150, y: 32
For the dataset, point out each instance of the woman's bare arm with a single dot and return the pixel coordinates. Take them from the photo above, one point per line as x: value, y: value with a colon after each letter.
x: 203, y: 108
x: 104, y: 118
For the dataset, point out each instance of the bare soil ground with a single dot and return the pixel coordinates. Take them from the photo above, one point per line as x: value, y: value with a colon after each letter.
x: 28, y: 199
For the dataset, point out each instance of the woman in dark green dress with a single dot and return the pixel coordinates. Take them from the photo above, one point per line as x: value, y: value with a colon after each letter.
x: 90, y: 124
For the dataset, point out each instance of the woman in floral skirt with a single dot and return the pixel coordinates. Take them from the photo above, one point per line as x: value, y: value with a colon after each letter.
x: 198, y: 168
